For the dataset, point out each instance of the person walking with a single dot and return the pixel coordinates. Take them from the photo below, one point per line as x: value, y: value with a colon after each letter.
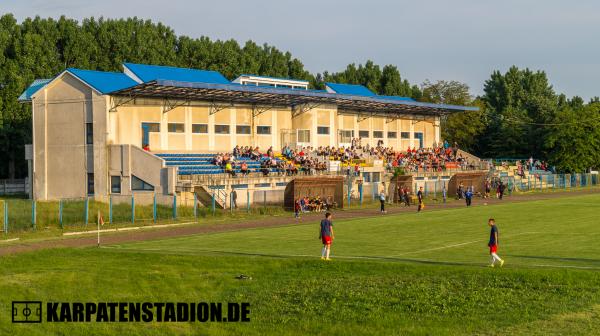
x: 420, y: 198
x: 382, y: 201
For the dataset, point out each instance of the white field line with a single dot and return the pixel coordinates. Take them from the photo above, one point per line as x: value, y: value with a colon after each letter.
x: 195, y: 252
x: 459, y: 244
x: 9, y: 240
x: 126, y: 229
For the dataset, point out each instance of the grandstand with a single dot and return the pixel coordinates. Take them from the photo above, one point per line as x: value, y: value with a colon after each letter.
x: 157, y: 128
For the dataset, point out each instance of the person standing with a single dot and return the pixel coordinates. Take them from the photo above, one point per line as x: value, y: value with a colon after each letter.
x: 420, y: 199
x: 468, y: 196
x: 326, y: 236
x: 493, y: 244
x: 234, y: 199
x: 444, y: 193
x: 382, y: 201
x: 501, y: 188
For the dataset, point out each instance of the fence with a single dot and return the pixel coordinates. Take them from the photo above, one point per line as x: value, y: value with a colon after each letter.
x: 17, y: 215
x: 550, y: 182
x: 13, y: 187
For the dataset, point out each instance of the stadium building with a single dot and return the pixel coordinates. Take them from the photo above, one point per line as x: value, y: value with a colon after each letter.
x: 152, y: 128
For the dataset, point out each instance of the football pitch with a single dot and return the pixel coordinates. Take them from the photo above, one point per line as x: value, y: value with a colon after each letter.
x: 412, y: 273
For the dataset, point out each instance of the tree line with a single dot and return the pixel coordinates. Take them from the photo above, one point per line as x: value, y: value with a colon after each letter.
x: 507, y: 124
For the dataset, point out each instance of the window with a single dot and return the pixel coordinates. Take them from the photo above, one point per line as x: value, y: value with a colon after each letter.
x: 375, y: 177
x: 152, y: 127
x: 405, y: 135
x: 90, y: 183
x: 392, y: 135
x: 176, y: 128
x: 363, y: 134
x: 323, y: 130
x: 378, y: 134
x: 199, y: 128
x: 242, y: 129
x: 346, y: 136
x: 263, y: 129
x: 115, y: 184
x: 221, y: 129
x: 304, y: 136
x: 89, y: 133
x: 138, y: 184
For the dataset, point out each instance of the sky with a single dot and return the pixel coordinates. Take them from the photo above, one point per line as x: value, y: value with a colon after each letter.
x: 464, y: 40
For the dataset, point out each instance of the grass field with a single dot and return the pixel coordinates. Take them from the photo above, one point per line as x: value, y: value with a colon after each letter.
x: 404, y: 274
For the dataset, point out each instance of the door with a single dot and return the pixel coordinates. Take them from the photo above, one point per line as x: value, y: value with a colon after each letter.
x: 145, y: 135
x: 419, y: 136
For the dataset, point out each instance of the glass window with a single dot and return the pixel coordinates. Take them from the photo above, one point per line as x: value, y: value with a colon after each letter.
x: 304, y: 136
x: 221, y: 129
x: 176, y: 128
x: 263, y: 129
x: 152, y: 127
x: 89, y: 133
x: 242, y: 129
x: 199, y: 128
x: 363, y: 134
x: 392, y: 135
x: 378, y: 134
x: 138, y: 184
x: 366, y: 177
x: 375, y: 177
x: 405, y: 135
x: 115, y: 184
x: 90, y: 183
x: 323, y: 130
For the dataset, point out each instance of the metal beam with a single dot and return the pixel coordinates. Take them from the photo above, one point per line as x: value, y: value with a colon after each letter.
x: 260, y: 109
x: 117, y: 101
x: 169, y: 105
x: 214, y: 107
x: 303, y: 108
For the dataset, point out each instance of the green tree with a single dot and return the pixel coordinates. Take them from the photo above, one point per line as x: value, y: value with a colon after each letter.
x: 573, y: 141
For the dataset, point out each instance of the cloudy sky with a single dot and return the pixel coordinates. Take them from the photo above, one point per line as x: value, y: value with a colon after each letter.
x: 462, y: 40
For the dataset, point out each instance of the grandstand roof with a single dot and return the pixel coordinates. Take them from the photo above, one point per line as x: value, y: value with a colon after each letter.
x: 33, y: 88
x: 352, y: 89
x: 148, y: 73
x: 267, y: 96
x: 104, y: 82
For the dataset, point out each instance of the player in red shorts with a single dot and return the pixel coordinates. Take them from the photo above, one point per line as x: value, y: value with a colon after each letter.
x: 326, y: 236
x: 493, y: 243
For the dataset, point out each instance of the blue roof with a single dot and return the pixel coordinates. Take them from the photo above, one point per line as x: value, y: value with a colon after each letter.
x: 396, y: 98
x: 351, y: 89
x: 147, y: 73
x: 103, y: 82
x: 33, y: 88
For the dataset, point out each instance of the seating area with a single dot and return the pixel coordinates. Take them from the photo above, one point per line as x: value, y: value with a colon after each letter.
x: 202, y: 163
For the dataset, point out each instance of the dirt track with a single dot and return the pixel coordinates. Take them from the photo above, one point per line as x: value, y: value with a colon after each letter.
x: 177, y: 231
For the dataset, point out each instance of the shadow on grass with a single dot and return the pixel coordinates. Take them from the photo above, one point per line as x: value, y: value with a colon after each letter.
x: 597, y: 261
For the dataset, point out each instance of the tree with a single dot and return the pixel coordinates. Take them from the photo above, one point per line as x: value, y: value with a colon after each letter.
x: 573, y: 141
x: 517, y: 103
x: 463, y: 128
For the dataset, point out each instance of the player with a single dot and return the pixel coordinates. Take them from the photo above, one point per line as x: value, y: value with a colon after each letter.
x: 420, y: 198
x: 382, y: 202
x: 493, y: 244
x: 326, y: 236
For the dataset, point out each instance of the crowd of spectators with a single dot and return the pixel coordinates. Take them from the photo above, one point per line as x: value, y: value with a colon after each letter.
x: 313, y: 204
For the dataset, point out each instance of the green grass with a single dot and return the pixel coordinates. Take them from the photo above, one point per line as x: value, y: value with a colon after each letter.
x: 413, y: 273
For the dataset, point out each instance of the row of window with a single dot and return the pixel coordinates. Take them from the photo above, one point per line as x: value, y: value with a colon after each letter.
x: 137, y: 184
x: 203, y: 128
x: 390, y: 134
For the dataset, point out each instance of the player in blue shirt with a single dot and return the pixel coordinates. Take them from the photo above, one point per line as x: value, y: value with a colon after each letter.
x: 326, y: 236
x: 493, y: 243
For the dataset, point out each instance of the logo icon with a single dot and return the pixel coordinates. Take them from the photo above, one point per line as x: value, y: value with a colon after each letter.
x: 27, y: 311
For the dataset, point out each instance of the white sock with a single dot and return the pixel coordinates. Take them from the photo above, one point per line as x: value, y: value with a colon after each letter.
x: 495, y: 256
x: 328, y: 250
x: 492, y: 259
x: 323, y: 251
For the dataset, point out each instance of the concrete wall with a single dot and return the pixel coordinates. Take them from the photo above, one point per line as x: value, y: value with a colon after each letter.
x: 128, y: 160
x: 61, y: 159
